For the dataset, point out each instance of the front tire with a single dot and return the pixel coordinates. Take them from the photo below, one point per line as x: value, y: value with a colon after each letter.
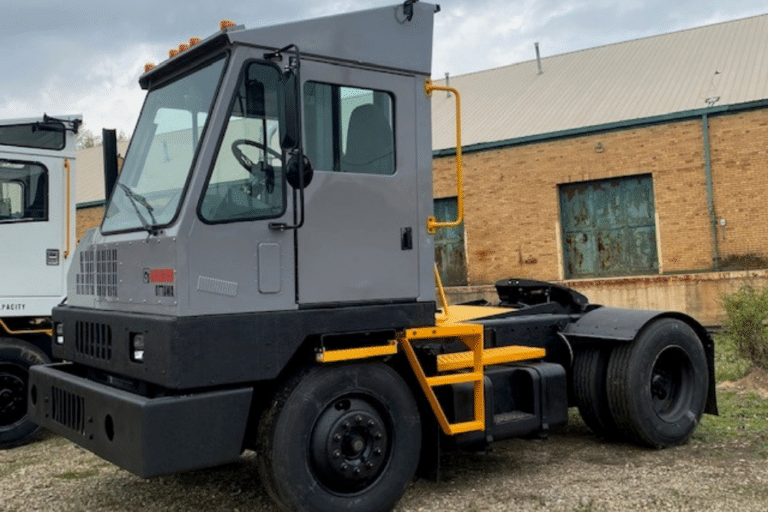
x: 658, y: 385
x: 342, y: 437
x: 16, y: 357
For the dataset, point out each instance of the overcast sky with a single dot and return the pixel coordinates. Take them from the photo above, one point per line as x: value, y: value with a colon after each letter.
x: 85, y: 57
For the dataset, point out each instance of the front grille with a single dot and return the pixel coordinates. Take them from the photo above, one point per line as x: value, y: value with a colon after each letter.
x: 98, y: 273
x: 68, y: 409
x: 85, y: 278
x: 93, y: 339
x: 106, y: 273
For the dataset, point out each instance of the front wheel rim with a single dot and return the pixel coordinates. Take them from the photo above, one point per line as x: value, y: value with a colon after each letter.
x: 350, y: 445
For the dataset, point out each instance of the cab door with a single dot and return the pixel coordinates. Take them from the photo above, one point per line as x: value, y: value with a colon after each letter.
x: 237, y: 263
x: 35, y: 219
x: 358, y: 242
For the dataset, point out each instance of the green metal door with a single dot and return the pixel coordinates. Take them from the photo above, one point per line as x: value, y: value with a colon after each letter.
x: 609, y: 227
x: 449, y: 245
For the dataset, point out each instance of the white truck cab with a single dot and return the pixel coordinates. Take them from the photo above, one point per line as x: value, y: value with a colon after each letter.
x: 37, y: 229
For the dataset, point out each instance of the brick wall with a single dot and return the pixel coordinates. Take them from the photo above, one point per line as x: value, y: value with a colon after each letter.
x: 88, y: 218
x: 512, y: 206
x: 740, y: 173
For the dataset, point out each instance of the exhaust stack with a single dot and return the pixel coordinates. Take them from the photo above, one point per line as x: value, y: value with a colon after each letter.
x: 538, y: 57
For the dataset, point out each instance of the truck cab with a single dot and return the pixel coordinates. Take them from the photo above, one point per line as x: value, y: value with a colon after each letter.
x: 37, y: 226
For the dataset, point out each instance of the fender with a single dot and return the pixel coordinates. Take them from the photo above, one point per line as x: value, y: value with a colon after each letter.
x: 607, y: 326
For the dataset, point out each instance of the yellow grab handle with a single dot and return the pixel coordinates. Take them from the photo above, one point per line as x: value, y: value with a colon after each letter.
x: 432, y: 224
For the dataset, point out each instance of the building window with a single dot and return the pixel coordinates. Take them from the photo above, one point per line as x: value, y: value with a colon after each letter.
x: 349, y: 129
x: 609, y: 227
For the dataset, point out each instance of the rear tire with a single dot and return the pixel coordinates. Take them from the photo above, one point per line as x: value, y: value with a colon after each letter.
x: 16, y: 357
x: 342, y: 437
x: 658, y: 385
x: 590, y: 368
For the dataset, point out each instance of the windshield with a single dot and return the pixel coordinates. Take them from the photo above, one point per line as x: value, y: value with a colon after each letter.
x: 156, y: 168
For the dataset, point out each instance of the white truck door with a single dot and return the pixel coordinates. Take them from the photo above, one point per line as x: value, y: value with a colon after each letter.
x: 37, y: 216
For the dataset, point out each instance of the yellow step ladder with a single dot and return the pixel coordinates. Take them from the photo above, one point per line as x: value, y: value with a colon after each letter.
x: 475, y: 359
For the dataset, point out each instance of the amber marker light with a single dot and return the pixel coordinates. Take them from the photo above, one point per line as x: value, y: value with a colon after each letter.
x: 226, y: 24
x: 194, y: 40
x: 173, y: 52
x: 183, y: 47
x: 149, y: 66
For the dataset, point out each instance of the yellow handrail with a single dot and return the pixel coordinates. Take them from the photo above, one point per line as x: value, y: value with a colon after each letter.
x: 441, y: 293
x: 8, y: 330
x: 68, y: 172
x: 432, y: 223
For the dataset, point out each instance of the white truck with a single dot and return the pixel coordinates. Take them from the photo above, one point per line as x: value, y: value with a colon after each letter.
x: 37, y: 237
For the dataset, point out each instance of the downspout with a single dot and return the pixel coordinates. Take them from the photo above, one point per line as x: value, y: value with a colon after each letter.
x: 710, y: 194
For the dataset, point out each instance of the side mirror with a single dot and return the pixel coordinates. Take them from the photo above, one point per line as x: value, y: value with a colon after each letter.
x: 289, y: 127
x: 297, y: 168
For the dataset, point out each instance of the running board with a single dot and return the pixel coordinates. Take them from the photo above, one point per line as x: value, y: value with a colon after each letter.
x: 500, y: 355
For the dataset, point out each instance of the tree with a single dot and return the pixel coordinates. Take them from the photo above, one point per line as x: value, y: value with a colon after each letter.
x: 86, y: 138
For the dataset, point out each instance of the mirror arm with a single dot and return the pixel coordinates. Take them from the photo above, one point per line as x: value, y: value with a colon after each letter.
x: 281, y: 226
x: 296, y: 65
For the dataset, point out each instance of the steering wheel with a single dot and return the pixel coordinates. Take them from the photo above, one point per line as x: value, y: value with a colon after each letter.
x: 268, y: 170
x: 244, y: 160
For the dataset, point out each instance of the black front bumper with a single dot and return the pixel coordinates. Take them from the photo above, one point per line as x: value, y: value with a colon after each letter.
x: 195, y: 352
x: 147, y: 436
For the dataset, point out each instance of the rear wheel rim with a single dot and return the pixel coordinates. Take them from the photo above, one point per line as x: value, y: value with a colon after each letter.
x: 13, y: 395
x: 671, y: 383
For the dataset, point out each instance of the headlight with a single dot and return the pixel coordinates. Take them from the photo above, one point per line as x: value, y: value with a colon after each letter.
x: 137, y: 347
x: 59, y: 334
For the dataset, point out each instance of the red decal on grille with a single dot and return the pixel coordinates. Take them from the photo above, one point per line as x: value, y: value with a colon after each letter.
x: 161, y: 275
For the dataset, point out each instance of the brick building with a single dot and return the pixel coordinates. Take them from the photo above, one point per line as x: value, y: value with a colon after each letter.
x: 89, y: 186
x: 644, y: 158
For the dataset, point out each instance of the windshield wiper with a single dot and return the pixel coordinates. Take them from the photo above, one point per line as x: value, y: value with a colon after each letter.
x: 138, y: 198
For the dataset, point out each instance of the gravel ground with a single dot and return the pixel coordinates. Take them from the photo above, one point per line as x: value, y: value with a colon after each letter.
x: 571, y: 471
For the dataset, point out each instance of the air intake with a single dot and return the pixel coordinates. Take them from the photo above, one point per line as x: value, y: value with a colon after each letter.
x: 68, y: 409
x: 93, y: 340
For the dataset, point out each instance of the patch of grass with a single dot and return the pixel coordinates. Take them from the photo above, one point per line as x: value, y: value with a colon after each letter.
x: 8, y: 468
x: 757, y: 491
x: 77, y: 475
x: 538, y: 499
x: 54, y: 440
x: 588, y: 506
x: 729, y: 365
x: 743, y: 417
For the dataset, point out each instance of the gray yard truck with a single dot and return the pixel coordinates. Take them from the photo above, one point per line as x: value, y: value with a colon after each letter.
x: 37, y: 230
x: 263, y: 279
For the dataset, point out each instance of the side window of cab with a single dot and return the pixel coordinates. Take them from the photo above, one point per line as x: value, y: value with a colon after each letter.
x: 247, y: 182
x: 349, y: 129
x: 23, y: 191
